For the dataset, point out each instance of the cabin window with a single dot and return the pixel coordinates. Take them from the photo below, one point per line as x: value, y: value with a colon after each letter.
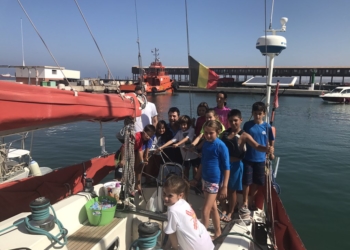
x: 54, y: 72
x: 338, y: 71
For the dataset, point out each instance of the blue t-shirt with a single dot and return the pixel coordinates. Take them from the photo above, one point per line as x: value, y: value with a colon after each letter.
x: 215, y: 160
x: 259, y: 134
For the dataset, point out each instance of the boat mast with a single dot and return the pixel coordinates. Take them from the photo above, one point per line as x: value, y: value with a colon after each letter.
x: 188, y: 60
x: 271, y: 46
x: 139, y: 49
x: 23, y: 64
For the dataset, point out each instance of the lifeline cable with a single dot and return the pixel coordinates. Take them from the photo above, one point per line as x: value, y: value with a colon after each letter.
x: 98, y: 48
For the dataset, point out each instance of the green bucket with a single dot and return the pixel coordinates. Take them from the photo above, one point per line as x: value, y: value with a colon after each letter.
x: 100, y: 217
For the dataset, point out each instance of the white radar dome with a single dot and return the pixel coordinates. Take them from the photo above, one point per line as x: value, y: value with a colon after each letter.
x: 271, y: 44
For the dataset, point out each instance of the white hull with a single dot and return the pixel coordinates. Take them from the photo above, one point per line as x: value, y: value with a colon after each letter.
x: 337, y: 95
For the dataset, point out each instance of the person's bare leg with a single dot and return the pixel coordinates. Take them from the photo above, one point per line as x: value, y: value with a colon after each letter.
x: 232, y: 203
x: 245, y: 195
x: 253, y: 191
x: 216, y: 220
x: 209, y: 200
x: 137, y: 172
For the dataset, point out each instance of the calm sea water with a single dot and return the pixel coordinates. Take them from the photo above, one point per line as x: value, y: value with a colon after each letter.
x: 312, y: 141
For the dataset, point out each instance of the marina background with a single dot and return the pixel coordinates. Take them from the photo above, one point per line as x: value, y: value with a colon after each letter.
x: 311, y: 141
x: 222, y: 33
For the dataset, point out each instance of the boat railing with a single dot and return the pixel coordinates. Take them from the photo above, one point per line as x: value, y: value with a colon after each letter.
x: 24, y: 136
x: 9, y: 166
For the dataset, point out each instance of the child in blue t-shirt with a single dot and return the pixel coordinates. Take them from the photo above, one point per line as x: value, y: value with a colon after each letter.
x: 215, y: 172
x: 254, y: 161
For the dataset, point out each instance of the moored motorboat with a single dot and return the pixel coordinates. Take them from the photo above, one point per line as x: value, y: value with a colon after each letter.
x: 337, y: 95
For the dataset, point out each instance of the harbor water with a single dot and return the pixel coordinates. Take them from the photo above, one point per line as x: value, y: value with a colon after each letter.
x: 312, y: 141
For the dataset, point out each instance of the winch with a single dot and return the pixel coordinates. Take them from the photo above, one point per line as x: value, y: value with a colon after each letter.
x: 41, y: 221
x: 148, y: 234
x: 40, y: 217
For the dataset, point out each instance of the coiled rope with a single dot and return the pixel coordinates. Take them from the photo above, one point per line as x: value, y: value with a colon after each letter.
x: 40, y: 213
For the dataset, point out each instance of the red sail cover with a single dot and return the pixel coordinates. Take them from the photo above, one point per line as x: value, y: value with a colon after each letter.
x: 16, y: 196
x: 28, y: 107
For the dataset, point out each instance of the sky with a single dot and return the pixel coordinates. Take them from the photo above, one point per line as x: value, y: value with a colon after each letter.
x: 221, y: 33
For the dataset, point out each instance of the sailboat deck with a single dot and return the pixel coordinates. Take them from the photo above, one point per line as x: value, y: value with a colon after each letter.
x: 88, y: 236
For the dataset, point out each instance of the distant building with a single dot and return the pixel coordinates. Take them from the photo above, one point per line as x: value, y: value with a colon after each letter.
x: 37, y: 74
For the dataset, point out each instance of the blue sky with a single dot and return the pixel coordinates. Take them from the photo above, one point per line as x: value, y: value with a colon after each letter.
x: 222, y: 33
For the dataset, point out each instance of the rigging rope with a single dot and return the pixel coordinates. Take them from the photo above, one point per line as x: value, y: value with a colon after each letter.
x: 2, y: 161
x: 36, y: 30
x: 129, y: 156
x: 87, y: 25
x: 139, y: 49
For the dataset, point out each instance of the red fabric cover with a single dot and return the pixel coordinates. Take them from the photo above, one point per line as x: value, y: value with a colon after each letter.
x: 287, y: 237
x: 26, y: 107
x: 15, y: 196
x: 275, y: 101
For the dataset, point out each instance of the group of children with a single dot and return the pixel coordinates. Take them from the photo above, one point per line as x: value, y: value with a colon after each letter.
x: 224, y: 159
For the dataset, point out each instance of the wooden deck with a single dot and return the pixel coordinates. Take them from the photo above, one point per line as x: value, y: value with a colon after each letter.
x: 88, y: 236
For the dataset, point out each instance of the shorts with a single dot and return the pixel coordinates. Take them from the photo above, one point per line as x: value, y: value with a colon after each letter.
x: 236, y: 173
x: 211, y: 188
x: 192, y: 163
x: 253, y: 172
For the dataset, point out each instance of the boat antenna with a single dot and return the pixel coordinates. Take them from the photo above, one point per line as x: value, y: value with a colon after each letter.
x: 156, y: 54
x: 188, y: 61
x: 139, y: 49
x: 36, y: 30
x: 87, y: 25
x: 23, y: 64
x: 273, y: 4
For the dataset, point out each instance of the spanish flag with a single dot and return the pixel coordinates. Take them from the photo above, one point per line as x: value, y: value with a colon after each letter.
x: 202, y: 76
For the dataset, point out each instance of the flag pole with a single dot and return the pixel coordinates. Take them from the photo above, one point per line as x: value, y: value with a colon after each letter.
x: 188, y: 61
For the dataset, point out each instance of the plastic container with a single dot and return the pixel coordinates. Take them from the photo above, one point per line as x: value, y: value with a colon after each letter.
x: 100, y: 217
x: 112, y: 189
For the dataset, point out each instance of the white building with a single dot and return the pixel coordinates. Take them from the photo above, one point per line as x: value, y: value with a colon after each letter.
x: 38, y: 74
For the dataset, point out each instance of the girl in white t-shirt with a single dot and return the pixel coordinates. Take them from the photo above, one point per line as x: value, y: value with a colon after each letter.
x: 184, y: 229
